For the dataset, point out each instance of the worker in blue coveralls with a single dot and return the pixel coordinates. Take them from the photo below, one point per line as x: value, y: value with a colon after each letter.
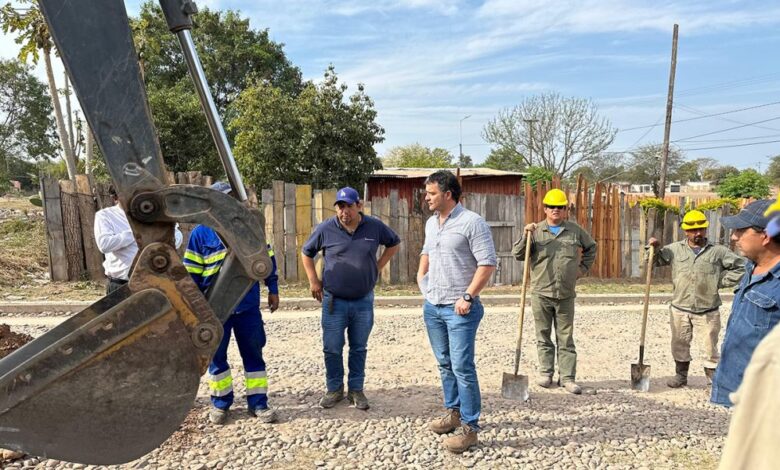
x: 203, y: 259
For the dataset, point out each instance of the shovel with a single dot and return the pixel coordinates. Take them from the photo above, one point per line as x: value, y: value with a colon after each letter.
x: 514, y: 386
x: 640, y: 373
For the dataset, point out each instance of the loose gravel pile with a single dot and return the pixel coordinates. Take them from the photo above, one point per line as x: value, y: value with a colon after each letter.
x: 616, y: 428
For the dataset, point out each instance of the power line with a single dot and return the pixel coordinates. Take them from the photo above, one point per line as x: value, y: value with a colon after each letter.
x: 726, y: 130
x: 699, y: 112
x: 741, y: 139
x: 731, y: 146
x: 704, y: 116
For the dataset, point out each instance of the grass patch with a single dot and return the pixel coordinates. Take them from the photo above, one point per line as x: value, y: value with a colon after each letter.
x: 23, y: 245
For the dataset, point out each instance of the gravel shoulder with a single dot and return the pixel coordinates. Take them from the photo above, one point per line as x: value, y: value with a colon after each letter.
x: 617, y: 428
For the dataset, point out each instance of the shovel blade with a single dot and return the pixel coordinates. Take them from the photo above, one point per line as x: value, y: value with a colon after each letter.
x: 515, y: 387
x: 640, y: 377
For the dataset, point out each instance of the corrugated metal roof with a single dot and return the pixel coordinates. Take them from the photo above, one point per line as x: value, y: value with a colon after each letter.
x: 424, y: 172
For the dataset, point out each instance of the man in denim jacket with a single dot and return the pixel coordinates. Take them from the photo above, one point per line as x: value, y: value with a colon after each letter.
x: 755, y: 309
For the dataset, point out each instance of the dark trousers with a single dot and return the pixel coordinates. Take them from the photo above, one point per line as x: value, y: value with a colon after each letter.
x: 113, y: 284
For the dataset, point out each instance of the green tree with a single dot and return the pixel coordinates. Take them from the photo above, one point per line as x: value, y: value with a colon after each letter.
x: 552, y: 131
x: 645, y: 165
x: 318, y: 137
x: 773, y: 172
x: 688, y: 171
x: 748, y: 183
x: 33, y: 35
x: 718, y: 174
x: 607, y: 166
x: 26, y: 124
x: 417, y: 156
x: 465, y: 161
x: 185, y: 139
x: 505, y: 158
x: 537, y: 173
x: 234, y: 57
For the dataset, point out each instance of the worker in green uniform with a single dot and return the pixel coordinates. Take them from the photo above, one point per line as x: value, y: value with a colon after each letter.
x: 561, y: 252
x: 699, y: 269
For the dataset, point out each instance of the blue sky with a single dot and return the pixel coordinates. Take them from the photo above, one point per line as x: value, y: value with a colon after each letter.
x: 429, y: 63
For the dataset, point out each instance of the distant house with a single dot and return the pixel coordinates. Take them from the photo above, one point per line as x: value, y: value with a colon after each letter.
x: 698, y: 187
x: 641, y: 188
x: 410, y: 181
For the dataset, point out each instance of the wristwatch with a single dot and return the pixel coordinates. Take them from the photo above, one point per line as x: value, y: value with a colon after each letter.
x: 467, y: 297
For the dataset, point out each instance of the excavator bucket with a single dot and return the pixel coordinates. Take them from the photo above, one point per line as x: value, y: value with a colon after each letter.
x: 111, y: 383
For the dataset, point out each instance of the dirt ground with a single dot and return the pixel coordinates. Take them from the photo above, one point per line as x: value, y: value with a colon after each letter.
x: 616, y: 428
x: 11, y: 341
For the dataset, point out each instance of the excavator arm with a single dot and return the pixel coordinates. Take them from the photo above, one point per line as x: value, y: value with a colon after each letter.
x: 113, y: 382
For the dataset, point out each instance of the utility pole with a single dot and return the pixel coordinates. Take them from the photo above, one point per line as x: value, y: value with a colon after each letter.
x: 531, y: 123
x: 460, y: 127
x: 668, y: 126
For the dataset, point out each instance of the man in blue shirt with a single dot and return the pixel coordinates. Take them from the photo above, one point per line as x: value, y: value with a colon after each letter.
x: 349, y: 243
x: 203, y: 260
x: 755, y: 310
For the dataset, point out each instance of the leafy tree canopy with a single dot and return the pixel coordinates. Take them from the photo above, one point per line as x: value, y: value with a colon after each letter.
x: 748, y: 183
x: 417, y: 156
x: 318, y: 137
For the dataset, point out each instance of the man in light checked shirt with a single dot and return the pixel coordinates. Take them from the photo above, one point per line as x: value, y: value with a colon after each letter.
x: 457, y: 260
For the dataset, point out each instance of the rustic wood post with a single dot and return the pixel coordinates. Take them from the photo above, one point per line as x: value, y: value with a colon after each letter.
x: 55, y: 232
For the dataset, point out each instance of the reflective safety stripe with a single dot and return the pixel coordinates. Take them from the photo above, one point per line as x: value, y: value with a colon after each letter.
x: 257, y: 391
x: 191, y: 255
x: 211, y: 271
x: 193, y: 269
x: 221, y: 384
x: 270, y: 252
x: 256, y: 382
x: 214, y: 257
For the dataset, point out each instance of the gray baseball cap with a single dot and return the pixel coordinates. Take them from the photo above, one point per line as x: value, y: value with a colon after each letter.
x: 751, y: 216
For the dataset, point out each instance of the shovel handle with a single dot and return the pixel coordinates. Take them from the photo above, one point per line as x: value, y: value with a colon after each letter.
x: 521, y: 318
x: 649, y: 267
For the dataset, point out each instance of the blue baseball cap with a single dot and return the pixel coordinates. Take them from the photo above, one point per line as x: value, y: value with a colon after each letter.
x: 773, y: 227
x: 348, y: 195
x: 222, y: 187
x: 751, y: 216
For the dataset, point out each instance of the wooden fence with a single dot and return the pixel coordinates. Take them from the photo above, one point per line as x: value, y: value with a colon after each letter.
x: 619, y: 226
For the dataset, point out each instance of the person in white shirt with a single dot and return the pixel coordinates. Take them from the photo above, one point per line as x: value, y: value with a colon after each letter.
x: 115, y: 239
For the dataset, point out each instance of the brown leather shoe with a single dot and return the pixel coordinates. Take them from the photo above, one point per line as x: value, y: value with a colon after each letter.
x: 465, y: 438
x: 446, y: 423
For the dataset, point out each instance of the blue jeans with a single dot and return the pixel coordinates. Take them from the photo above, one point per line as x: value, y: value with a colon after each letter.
x: 356, y: 316
x: 250, y: 337
x: 452, y: 338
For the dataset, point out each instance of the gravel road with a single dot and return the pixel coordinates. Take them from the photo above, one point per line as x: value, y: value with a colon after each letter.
x: 616, y: 428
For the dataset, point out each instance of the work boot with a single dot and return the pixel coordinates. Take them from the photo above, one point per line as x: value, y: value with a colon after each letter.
x: 217, y: 415
x: 681, y: 378
x: 264, y: 415
x: 462, y: 441
x: 572, y: 387
x: 446, y: 423
x: 545, y: 381
x: 330, y: 399
x: 710, y: 374
x: 358, y: 398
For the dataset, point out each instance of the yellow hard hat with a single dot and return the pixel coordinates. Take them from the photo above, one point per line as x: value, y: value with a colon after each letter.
x: 775, y: 207
x: 694, y: 220
x: 555, y: 197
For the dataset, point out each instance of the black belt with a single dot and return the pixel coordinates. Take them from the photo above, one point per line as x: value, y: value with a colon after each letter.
x: 117, y: 281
